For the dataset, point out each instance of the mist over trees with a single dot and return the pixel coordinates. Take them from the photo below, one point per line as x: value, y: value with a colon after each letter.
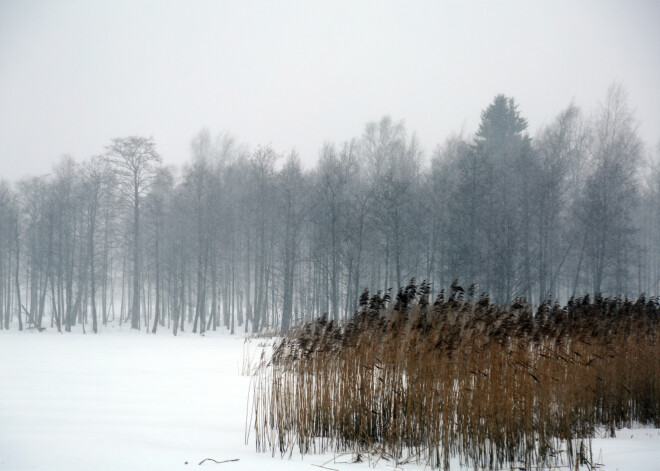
x: 247, y: 239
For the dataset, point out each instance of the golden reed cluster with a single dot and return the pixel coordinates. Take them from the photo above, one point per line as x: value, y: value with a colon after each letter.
x: 492, y: 385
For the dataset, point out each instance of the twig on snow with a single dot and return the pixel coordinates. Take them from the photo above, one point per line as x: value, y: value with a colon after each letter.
x: 216, y: 461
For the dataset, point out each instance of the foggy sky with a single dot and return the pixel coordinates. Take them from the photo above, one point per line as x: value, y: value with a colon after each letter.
x: 73, y: 75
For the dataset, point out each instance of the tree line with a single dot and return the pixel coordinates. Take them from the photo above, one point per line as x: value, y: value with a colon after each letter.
x: 247, y: 239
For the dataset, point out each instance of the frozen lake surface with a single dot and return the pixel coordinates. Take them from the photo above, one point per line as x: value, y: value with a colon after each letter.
x: 123, y: 400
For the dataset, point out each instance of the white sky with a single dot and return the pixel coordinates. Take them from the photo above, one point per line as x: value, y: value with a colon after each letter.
x: 73, y: 75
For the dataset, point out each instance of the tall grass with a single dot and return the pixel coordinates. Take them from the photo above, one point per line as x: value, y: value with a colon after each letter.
x: 492, y: 385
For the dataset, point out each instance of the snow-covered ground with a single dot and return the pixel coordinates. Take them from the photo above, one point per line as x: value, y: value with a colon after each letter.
x: 127, y: 400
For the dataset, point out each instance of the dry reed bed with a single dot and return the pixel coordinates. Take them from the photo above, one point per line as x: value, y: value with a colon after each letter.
x: 495, y: 386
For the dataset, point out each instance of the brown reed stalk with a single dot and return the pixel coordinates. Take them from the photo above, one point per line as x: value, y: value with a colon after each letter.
x: 495, y: 386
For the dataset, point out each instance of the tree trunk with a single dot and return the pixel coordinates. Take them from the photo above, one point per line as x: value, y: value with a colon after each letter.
x: 135, y: 311
x: 18, y: 283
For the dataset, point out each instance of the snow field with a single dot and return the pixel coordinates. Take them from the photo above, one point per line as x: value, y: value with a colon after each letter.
x: 123, y: 400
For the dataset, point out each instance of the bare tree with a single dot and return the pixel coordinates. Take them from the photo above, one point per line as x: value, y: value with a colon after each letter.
x: 611, y: 192
x: 263, y: 172
x: 293, y: 208
x: 560, y: 149
x: 134, y: 160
